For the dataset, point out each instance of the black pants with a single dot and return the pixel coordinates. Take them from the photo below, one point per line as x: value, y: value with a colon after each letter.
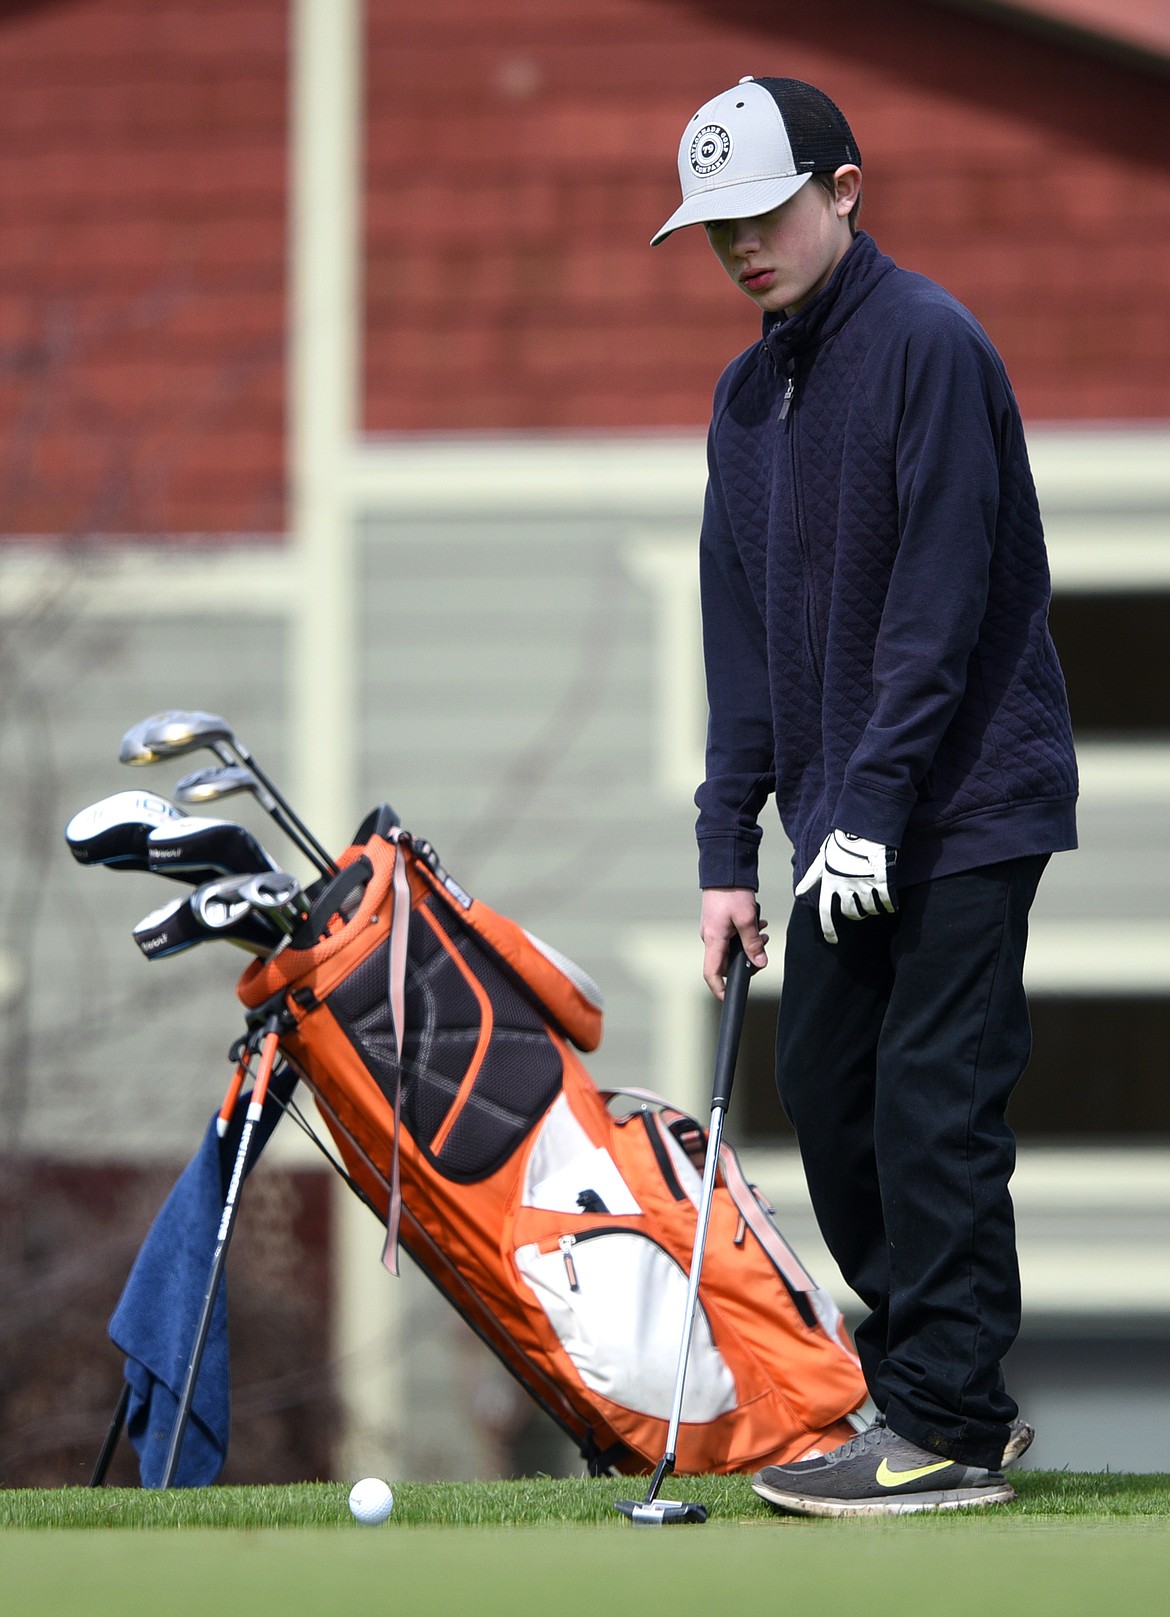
x: 897, y: 1050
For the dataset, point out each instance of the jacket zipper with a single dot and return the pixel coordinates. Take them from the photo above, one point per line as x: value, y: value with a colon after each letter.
x: 786, y: 401
x: 810, y: 627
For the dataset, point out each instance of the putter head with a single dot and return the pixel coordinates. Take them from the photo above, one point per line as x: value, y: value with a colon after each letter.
x: 170, y: 734
x: 661, y: 1512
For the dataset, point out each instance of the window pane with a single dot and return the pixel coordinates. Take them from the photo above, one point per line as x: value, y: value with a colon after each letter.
x: 1113, y: 652
x: 1100, y: 1067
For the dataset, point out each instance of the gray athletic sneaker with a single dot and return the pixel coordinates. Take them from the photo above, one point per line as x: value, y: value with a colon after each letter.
x: 879, y: 1473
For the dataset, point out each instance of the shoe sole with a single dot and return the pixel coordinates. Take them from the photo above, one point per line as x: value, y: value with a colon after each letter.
x: 909, y: 1504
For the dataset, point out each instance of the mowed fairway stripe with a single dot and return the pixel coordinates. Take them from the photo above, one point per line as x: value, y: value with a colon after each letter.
x: 913, y: 1568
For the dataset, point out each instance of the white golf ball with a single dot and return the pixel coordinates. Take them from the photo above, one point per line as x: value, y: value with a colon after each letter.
x: 371, y: 1501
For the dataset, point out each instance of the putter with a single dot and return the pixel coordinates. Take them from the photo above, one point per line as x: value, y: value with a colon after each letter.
x: 227, y: 780
x: 179, y: 731
x: 652, y: 1511
x: 114, y: 831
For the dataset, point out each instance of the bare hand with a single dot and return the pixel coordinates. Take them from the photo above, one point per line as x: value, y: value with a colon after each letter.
x: 726, y: 911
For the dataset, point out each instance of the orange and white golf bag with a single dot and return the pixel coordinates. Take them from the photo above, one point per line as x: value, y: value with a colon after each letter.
x: 439, y: 1041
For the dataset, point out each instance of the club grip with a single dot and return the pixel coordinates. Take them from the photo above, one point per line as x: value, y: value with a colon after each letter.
x: 739, y: 970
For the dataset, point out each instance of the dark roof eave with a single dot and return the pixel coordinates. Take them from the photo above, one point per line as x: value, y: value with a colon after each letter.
x: 1149, y: 54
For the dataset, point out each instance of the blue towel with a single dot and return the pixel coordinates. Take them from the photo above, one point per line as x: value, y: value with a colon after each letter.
x: 157, y: 1315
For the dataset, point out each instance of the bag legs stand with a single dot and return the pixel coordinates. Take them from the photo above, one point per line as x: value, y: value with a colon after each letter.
x: 652, y: 1511
x: 219, y: 1258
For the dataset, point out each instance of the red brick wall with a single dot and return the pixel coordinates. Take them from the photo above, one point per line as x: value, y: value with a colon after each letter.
x: 142, y: 246
x: 520, y: 154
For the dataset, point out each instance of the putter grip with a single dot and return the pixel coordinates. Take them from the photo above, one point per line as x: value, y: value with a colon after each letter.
x: 739, y: 971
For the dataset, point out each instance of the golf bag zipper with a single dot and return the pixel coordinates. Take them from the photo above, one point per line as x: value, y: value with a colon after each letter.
x: 566, y: 1243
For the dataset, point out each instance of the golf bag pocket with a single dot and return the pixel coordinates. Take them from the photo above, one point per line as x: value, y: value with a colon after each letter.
x: 567, y: 1173
x: 615, y: 1301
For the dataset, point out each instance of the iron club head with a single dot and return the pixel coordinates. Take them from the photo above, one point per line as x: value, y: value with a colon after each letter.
x: 277, y: 895
x: 219, y: 909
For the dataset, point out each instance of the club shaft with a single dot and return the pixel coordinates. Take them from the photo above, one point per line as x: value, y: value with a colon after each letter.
x: 319, y: 856
x: 311, y: 850
x: 710, y: 1168
x: 118, y: 1420
x: 739, y: 970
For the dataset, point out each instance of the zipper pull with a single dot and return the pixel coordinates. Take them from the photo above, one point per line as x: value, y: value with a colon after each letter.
x: 740, y: 1231
x: 786, y: 402
x: 566, y: 1244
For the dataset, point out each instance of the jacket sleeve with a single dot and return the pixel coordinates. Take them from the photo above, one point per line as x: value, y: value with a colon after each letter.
x: 740, y: 763
x: 947, y: 436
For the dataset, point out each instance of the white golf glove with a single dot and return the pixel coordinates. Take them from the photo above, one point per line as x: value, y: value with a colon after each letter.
x: 855, y: 872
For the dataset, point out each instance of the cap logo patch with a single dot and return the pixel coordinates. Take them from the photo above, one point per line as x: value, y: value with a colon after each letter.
x: 710, y: 150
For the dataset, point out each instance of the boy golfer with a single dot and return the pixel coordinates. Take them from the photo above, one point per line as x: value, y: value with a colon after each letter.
x: 874, y: 594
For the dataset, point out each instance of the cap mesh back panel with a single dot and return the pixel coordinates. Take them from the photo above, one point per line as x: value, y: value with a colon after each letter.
x: 819, y: 135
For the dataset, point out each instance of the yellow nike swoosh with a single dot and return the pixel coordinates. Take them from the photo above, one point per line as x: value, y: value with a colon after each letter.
x: 894, y: 1479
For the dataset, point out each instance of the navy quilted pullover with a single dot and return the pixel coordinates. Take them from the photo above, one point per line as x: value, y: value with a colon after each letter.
x: 875, y: 592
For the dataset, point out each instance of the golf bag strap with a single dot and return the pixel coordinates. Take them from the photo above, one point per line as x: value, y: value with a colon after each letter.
x: 399, y: 937
x: 827, y: 1313
x: 761, y: 1225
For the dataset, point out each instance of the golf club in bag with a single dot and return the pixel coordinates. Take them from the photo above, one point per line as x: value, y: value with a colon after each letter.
x: 652, y: 1511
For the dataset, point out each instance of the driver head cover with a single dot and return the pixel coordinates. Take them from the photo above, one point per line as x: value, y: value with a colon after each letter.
x: 751, y: 148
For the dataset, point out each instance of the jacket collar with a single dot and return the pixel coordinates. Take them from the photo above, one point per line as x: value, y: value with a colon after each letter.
x: 854, y: 278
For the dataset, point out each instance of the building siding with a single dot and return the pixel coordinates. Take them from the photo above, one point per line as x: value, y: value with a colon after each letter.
x: 517, y: 161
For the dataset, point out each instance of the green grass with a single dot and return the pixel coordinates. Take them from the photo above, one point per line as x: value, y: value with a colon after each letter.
x: 531, y: 1502
x: 1074, y: 1546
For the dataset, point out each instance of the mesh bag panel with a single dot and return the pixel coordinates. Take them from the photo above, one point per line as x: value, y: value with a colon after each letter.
x: 820, y: 137
x: 521, y: 1070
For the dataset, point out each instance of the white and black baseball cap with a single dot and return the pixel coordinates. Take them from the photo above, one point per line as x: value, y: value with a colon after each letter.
x: 753, y: 147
